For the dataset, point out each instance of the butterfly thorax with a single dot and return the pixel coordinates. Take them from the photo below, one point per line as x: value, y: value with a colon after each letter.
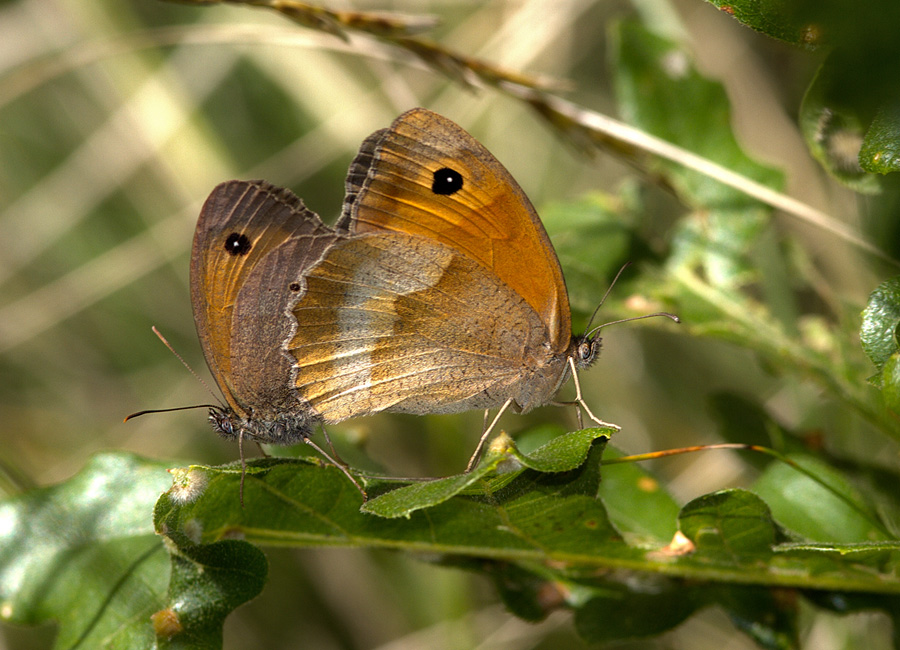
x: 547, y: 374
x: 282, y: 429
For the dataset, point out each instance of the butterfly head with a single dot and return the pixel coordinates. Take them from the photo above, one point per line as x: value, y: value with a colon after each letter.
x: 585, y: 349
x: 223, y: 421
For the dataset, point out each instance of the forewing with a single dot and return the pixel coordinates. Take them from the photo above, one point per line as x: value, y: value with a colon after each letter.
x: 398, y: 183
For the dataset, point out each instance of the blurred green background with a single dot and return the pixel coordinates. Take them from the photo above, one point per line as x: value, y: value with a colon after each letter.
x: 118, y: 118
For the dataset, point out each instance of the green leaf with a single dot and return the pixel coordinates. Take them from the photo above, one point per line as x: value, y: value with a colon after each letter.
x: 652, y: 75
x: 561, y: 454
x: 731, y: 526
x: 402, y: 501
x: 764, y: 615
x: 565, y: 452
x: 301, y: 502
x: 544, y: 536
x: 850, y: 115
x: 786, y: 21
x: 829, y: 509
x: 638, y: 504
x: 620, y: 614
x: 83, y: 553
x: 549, y: 524
x: 207, y: 583
x: 880, y: 319
x: 880, y: 152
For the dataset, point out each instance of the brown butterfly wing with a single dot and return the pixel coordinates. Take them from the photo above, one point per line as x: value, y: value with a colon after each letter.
x: 404, y: 323
x: 426, y: 176
x: 252, y: 244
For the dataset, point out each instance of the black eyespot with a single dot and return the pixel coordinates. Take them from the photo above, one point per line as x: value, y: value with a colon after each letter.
x: 294, y: 286
x: 447, y: 181
x: 237, y: 244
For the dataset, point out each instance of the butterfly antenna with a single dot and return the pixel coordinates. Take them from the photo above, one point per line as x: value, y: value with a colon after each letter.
x: 588, y: 333
x: 626, y: 320
x: 165, y: 342
x: 175, y: 408
x: 183, y: 362
x: 605, y: 296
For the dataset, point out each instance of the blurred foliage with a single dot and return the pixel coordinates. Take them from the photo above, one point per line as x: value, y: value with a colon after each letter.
x: 850, y: 114
x: 116, y: 119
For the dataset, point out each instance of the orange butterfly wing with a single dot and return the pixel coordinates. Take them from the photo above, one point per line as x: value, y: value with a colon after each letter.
x: 446, y: 295
x: 252, y: 243
x: 403, y: 323
x: 426, y: 176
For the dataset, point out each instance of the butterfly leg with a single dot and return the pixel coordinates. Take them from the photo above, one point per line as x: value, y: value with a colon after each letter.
x: 580, y: 401
x: 486, y: 434
x: 339, y: 463
x: 577, y: 410
x: 243, y: 463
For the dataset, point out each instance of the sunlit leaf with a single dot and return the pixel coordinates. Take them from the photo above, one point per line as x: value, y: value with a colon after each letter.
x: 878, y: 332
x: 83, y: 554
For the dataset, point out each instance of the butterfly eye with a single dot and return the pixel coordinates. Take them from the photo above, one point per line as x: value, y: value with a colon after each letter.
x: 294, y: 286
x: 237, y: 244
x: 447, y: 181
x: 585, y: 351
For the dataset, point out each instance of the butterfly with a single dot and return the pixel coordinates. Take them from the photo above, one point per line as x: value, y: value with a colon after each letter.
x: 437, y: 291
